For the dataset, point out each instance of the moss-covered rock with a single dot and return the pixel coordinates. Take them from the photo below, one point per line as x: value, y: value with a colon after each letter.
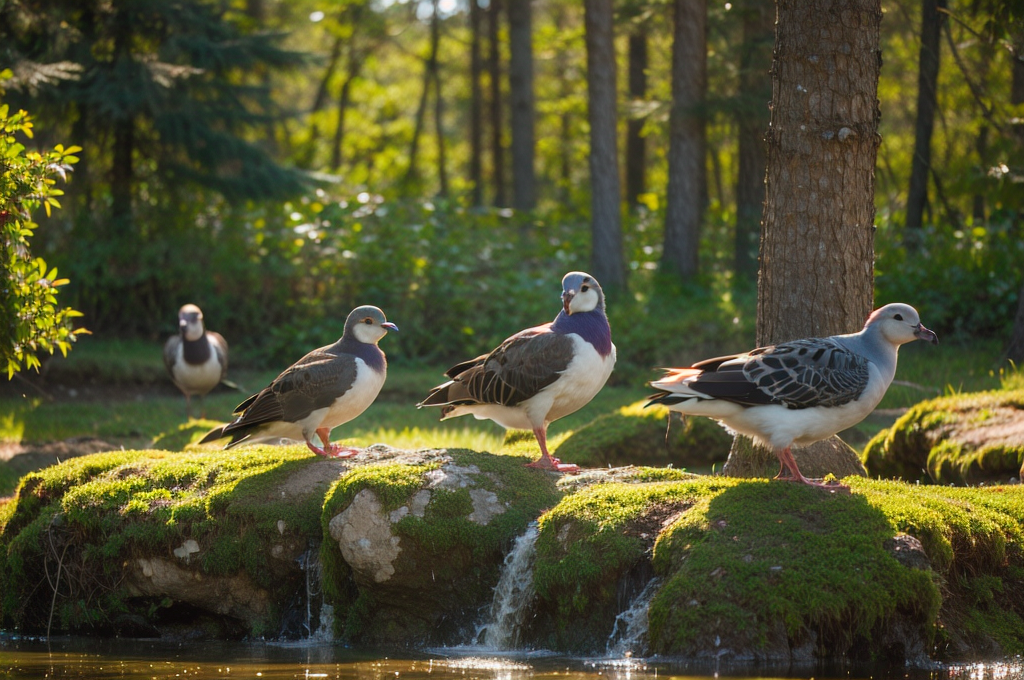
x: 962, y: 439
x: 635, y: 435
x: 110, y: 537
x: 755, y: 569
x: 414, y: 550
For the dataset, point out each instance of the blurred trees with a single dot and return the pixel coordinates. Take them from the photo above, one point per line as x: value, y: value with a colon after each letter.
x: 181, y: 112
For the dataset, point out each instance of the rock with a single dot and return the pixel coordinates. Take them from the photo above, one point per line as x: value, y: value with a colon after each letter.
x: 975, y: 438
x: 363, y: 533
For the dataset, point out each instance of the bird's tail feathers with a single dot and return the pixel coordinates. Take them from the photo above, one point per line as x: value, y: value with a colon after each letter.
x: 213, y: 435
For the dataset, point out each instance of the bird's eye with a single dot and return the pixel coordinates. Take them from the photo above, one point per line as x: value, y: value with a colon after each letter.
x: 584, y: 288
x: 367, y: 320
x: 898, y: 317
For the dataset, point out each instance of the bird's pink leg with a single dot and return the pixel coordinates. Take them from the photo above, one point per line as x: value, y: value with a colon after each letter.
x: 546, y: 460
x: 330, y: 450
x: 788, y: 461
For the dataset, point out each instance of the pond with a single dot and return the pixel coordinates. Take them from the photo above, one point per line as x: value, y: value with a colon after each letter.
x: 101, y: 659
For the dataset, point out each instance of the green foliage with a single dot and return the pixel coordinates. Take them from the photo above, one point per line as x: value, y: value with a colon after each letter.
x: 964, y: 281
x: 31, y: 322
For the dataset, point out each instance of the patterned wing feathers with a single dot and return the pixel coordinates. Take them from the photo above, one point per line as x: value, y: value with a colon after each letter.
x: 805, y: 373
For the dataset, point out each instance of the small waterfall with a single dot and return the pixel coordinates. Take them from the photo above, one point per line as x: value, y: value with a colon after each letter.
x: 512, y: 595
x: 627, y: 636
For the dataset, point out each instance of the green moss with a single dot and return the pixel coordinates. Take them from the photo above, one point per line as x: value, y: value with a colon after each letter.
x: 110, y: 507
x: 923, y: 444
x: 645, y: 436
x: 741, y: 558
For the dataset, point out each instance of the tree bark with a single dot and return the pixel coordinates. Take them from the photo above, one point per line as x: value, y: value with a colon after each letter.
x: 606, y: 219
x: 521, y: 104
x: 686, y: 192
x: 927, y: 88
x: 494, y: 71
x: 817, y: 253
x: 429, y: 70
x: 636, y: 149
x: 442, y: 170
x: 476, y: 104
x: 756, y: 93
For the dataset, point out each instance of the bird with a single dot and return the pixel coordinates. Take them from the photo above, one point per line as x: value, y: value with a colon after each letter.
x: 539, y: 374
x: 197, y: 359
x: 797, y: 392
x: 326, y: 388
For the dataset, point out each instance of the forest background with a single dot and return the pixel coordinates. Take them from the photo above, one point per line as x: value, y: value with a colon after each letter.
x: 279, y: 163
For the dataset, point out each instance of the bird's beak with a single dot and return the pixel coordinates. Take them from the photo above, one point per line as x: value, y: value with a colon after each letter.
x: 567, y: 296
x: 390, y: 326
x: 922, y: 333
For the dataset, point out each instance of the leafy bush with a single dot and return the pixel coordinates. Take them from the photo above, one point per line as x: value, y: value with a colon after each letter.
x: 30, y: 321
x: 963, y: 281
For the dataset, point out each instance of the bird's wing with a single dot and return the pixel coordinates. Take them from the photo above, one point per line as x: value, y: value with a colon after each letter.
x: 220, y: 347
x: 311, y: 383
x: 805, y: 373
x: 171, y: 352
x: 518, y: 369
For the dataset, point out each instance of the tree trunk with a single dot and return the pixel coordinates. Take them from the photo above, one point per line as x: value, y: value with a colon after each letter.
x: 344, y: 97
x: 1015, y: 350
x: 755, y: 93
x: 521, y: 100
x: 319, y: 102
x: 606, y: 219
x: 636, y: 150
x: 476, y: 104
x: 435, y: 68
x: 429, y: 69
x: 927, y: 87
x: 686, y: 192
x: 817, y: 254
x: 494, y: 70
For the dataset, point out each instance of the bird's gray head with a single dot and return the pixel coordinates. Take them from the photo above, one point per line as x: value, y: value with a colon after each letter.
x: 368, y: 324
x: 899, y: 323
x: 190, y: 322
x: 581, y: 293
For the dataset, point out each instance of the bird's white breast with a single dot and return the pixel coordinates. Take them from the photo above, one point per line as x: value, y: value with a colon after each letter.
x: 580, y: 382
x: 356, y: 399
x: 196, y: 379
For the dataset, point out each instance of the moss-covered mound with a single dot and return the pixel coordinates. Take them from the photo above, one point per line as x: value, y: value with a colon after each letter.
x: 635, y: 435
x: 106, y: 542
x: 963, y: 439
x: 756, y: 569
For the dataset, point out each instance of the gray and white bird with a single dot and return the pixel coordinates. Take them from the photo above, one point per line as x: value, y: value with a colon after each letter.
x: 797, y: 392
x: 196, y: 358
x: 540, y: 374
x: 326, y: 388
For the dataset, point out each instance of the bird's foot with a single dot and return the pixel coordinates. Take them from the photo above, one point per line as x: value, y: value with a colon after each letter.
x: 554, y: 465
x: 332, y: 450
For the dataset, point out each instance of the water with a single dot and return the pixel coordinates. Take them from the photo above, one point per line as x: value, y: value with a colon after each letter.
x: 512, y: 596
x: 630, y: 629
x: 96, y: 659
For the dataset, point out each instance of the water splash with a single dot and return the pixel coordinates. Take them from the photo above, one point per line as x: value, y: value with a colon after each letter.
x: 630, y: 627
x: 512, y: 595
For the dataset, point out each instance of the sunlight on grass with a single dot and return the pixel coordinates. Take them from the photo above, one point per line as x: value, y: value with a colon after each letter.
x: 476, y: 439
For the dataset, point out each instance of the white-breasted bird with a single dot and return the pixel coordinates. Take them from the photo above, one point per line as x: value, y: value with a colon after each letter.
x: 197, y: 359
x: 540, y: 374
x: 326, y: 388
x: 797, y: 392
